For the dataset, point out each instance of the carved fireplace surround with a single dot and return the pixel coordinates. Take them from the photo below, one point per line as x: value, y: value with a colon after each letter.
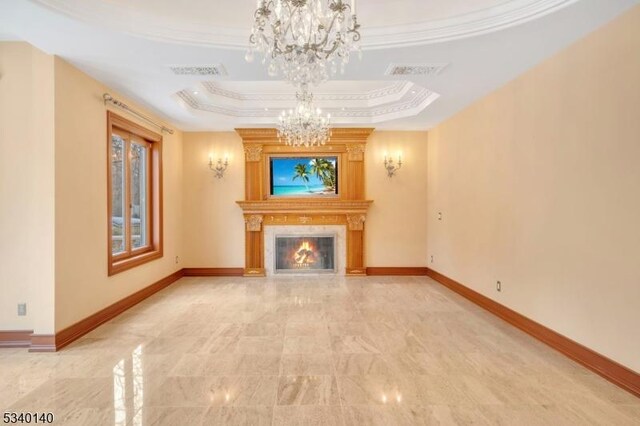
x: 348, y: 208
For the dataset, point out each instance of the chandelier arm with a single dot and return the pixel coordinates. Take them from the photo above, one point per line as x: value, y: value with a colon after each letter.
x: 302, y: 39
x: 310, y: 36
x: 326, y: 35
x: 354, y: 30
x: 290, y: 23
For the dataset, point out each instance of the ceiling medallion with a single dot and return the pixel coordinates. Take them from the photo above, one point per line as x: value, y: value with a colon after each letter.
x: 304, y: 40
x: 304, y: 125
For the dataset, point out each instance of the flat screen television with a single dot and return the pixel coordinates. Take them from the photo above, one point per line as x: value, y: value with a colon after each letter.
x: 304, y: 176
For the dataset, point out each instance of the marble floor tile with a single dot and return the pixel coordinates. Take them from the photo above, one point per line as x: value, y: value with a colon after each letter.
x: 314, y: 364
x: 15, y: 387
x: 307, y: 328
x: 348, y: 328
x: 306, y: 345
x: 260, y: 345
x: 318, y: 351
x: 227, y: 365
x: 64, y: 394
x: 264, y: 330
x: 243, y: 390
x: 91, y: 416
x: 308, y: 390
x: 409, y: 415
x: 399, y: 342
x: 217, y: 345
x: 360, y: 364
x: 353, y: 344
x: 379, y: 389
x: 307, y: 415
x: 173, y: 346
x: 180, y: 392
x: 238, y: 416
x: 165, y: 416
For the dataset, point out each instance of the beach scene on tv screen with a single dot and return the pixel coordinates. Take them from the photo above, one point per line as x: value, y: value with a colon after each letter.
x: 304, y: 176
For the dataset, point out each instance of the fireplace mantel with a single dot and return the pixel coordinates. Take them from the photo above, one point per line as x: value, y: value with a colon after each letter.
x: 306, y: 206
x: 348, y: 208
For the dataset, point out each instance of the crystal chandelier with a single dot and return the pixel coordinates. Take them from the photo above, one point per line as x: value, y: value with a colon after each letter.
x: 304, y: 125
x: 304, y: 40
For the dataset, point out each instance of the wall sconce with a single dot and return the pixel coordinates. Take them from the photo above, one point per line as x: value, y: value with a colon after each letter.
x: 219, y: 167
x: 391, y: 166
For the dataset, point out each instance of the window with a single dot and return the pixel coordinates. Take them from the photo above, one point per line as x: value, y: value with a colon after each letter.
x: 134, y: 195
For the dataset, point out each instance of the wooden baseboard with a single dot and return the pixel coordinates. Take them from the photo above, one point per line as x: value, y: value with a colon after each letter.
x: 393, y: 270
x: 15, y: 338
x: 43, y: 343
x: 213, y: 272
x: 616, y: 373
x: 239, y: 272
x: 68, y: 335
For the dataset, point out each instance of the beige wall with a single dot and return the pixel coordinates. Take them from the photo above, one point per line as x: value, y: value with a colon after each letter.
x: 214, y: 228
x: 396, y: 228
x: 82, y: 284
x: 53, y: 190
x: 213, y: 222
x: 538, y: 186
x: 26, y: 187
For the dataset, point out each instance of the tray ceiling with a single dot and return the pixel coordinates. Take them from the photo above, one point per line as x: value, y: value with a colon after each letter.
x: 225, y: 23
x: 424, y: 60
x: 348, y: 102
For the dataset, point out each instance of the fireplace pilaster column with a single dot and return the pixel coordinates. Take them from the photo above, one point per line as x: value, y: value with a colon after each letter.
x: 355, y: 244
x: 254, y: 246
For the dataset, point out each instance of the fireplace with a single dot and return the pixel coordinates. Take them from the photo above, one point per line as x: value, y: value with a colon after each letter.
x: 293, y: 237
x: 304, y: 254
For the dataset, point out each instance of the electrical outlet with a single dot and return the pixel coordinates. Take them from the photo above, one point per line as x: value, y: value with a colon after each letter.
x: 22, y: 309
x: 431, y: 258
x: 498, y: 286
x: 439, y: 215
x: 177, y: 260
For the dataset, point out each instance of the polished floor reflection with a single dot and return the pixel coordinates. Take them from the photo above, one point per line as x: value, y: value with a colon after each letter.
x: 311, y: 351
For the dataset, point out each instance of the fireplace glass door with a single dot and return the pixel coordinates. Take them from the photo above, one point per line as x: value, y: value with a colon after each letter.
x: 312, y: 254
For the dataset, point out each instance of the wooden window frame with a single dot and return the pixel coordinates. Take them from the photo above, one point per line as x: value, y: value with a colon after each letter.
x: 154, y: 248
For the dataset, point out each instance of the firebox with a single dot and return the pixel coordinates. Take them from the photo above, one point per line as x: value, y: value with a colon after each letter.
x: 300, y: 254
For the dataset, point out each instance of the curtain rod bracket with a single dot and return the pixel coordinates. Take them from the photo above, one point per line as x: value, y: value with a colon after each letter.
x: 108, y: 99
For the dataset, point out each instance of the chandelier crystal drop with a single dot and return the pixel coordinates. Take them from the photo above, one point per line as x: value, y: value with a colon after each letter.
x: 305, y: 125
x: 305, y: 41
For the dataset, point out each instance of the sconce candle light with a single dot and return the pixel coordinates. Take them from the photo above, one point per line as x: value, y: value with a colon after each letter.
x: 219, y: 167
x: 391, y: 166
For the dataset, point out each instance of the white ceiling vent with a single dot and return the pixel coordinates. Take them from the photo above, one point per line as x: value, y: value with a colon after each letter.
x: 216, y: 70
x: 415, y: 69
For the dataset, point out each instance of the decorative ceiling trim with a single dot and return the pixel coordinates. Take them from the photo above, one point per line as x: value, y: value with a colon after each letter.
x: 415, y: 69
x: 508, y: 14
x: 394, y: 88
x: 484, y: 21
x: 415, y: 103
x: 215, y: 69
x: 350, y: 133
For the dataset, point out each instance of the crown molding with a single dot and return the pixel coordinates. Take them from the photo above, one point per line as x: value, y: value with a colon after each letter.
x: 411, y: 103
x: 301, y: 206
x: 339, y: 133
x: 484, y: 21
x: 391, y: 89
x: 466, y: 25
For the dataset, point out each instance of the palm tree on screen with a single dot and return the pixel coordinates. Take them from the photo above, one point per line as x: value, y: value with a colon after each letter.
x: 302, y: 173
x: 325, y: 171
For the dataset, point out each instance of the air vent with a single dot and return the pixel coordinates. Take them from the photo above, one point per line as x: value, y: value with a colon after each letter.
x: 217, y: 70
x: 415, y: 69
